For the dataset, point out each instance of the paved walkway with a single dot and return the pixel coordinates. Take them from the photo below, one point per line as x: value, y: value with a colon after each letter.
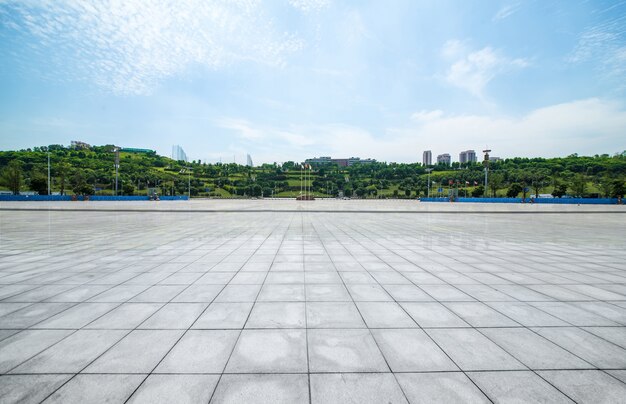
x: 298, y: 307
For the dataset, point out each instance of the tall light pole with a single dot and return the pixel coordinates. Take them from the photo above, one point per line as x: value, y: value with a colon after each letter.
x: 117, y: 167
x: 189, y: 182
x: 486, y: 164
x: 428, y: 170
x: 49, y: 189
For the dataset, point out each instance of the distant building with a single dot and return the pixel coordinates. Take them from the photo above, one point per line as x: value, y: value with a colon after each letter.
x: 467, y: 156
x: 178, y: 153
x: 249, y: 161
x: 136, y: 150
x: 78, y: 145
x: 319, y: 160
x: 357, y: 160
x: 494, y: 159
x: 340, y: 162
x: 444, y: 159
x: 427, y: 158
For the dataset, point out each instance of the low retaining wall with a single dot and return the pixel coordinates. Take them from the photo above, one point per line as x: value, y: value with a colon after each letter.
x: 563, y: 201
x: 58, y: 198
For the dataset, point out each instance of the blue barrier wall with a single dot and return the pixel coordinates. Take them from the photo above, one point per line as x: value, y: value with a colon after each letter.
x: 563, y: 201
x: 55, y: 198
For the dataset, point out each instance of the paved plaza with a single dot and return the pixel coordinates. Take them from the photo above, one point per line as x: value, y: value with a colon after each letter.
x: 312, y: 302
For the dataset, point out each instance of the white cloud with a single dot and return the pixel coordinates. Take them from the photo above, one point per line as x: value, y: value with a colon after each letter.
x: 243, y: 129
x: 605, y: 46
x: 453, y: 48
x: 473, y: 70
x: 586, y: 127
x: 129, y: 47
x: 308, y: 6
x: 506, y: 11
x: 425, y: 115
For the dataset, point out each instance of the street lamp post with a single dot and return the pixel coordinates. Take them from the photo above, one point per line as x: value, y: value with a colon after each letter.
x: 49, y: 189
x: 189, y: 183
x: 117, y: 166
x: 429, y: 170
x: 486, y: 164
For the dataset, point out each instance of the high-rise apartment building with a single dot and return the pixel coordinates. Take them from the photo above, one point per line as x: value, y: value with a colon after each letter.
x: 427, y: 158
x: 467, y: 156
x: 444, y: 159
x: 249, y: 161
x: 178, y: 153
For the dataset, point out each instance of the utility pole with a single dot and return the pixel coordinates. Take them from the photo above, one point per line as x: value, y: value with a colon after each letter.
x: 429, y: 170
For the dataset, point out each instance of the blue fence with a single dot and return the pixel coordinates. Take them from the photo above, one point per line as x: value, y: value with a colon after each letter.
x: 563, y: 201
x: 55, y: 198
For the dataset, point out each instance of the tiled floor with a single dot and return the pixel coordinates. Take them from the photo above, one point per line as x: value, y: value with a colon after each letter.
x: 320, y: 307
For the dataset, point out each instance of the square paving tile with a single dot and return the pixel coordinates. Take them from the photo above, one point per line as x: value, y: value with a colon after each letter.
x: 471, y: 350
x: 587, y: 386
x: 262, y: 389
x: 73, y: 353
x: 443, y: 387
x: 22, y: 346
x: 412, y: 350
x: 365, y: 388
x: 200, y: 351
x: 333, y: 315
x: 269, y: 351
x: 174, y: 316
x: 344, y: 351
x: 139, y: 352
x: 224, y: 316
x: 29, y: 389
x: 433, y: 315
x: 517, y: 387
x: 96, y: 389
x: 184, y: 389
x: 385, y: 315
x: 277, y: 315
x: 533, y: 350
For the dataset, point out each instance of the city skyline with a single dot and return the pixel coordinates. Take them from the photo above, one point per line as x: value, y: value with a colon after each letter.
x: 315, y: 77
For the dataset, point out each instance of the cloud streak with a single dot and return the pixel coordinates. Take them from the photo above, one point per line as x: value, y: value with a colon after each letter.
x: 129, y: 47
x: 604, y: 45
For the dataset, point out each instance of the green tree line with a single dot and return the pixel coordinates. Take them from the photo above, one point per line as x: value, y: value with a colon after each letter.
x: 92, y: 170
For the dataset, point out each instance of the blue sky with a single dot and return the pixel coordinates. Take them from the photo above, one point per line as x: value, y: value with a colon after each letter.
x: 291, y: 79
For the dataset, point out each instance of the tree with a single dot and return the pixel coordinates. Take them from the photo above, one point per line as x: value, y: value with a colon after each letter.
x: 478, y: 191
x: 495, y: 183
x: 256, y: 190
x: 63, y: 170
x: 407, y: 192
x: 538, y: 177
x: 79, y: 184
x: 618, y: 189
x: 12, y: 176
x: 39, y: 184
x: 579, y: 185
x: 514, y: 190
x: 128, y: 188
x: 606, y: 185
x: 560, y: 189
